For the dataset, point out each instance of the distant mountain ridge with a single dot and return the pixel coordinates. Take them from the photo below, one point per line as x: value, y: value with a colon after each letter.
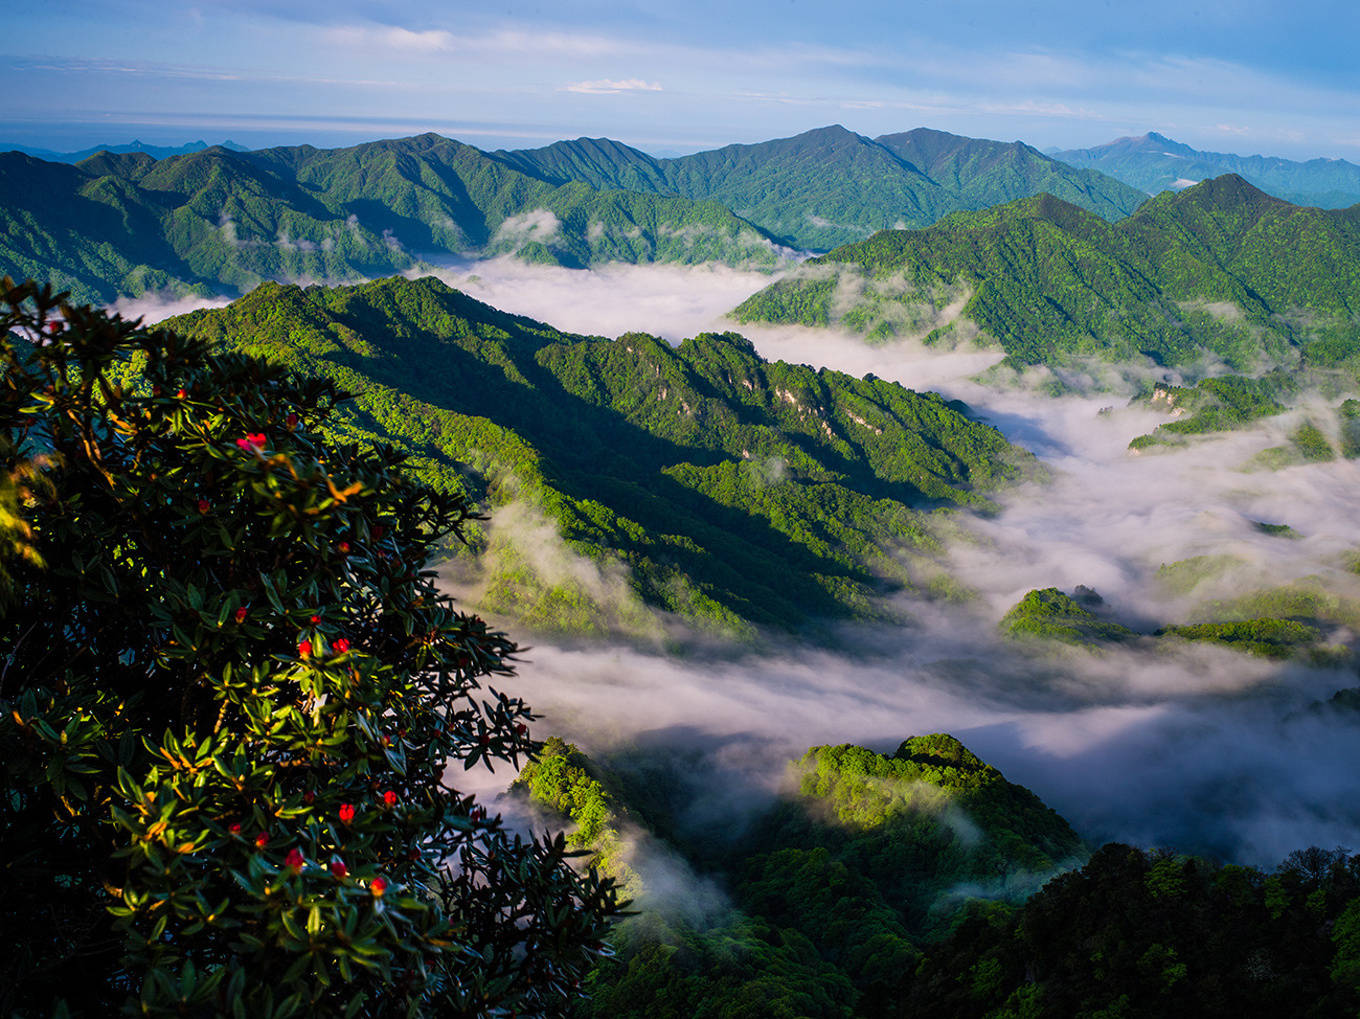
x: 830, y: 186
x: 1221, y: 267
x: 1153, y: 163
x: 136, y: 145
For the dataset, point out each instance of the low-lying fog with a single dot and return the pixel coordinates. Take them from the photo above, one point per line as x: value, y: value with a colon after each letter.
x: 1202, y: 749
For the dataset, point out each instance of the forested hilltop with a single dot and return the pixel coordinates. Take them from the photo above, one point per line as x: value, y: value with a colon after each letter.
x: 700, y: 479
x: 1221, y: 267
x: 908, y: 884
x: 220, y: 219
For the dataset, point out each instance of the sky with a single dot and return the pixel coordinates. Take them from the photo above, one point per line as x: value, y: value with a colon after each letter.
x: 1247, y: 76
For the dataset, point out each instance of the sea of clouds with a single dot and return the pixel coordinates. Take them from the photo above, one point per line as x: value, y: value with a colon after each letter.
x: 1199, y: 749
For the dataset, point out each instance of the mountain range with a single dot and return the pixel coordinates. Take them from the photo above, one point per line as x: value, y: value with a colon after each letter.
x: 1153, y: 163
x: 1220, y: 267
x: 213, y: 220
x: 217, y: 219
x: 698, y: 479
x: 831, y: 186
x: 136, y: 145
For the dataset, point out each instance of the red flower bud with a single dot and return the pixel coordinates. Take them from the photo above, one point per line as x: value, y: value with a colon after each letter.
x: 294, y: 860
x: 315, y: 620
x: 292, y: 421
x: 338, y: 869
x: 521, y: 728
x: 343, y: 548
x: 234, y: 828
x: 390, y: 798
x: 181, y: 393
x: 305, y: 649
x: 241, y: 614
x: 262, y: 839
x: 340, y: 645
x: 377, y: 886
x: 204, y: 505
x: 346, y: 813
x: 309, y: 797
x: 55, y: 326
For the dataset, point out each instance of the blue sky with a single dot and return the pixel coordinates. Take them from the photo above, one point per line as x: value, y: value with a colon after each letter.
x: 1247, y: 76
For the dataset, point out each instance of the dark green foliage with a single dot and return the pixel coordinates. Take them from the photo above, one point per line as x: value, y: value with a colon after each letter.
x: 832, y: 890
x: 1214, y: 405
x: 1050, y: 614
x: 1155, y: 163
x: 1311, y: 444
x: 1276, y: 530
x: 733, y: 490
x: 1150, y: 934
x: 219, y: 219
x: 1348, y: 418
x: 1267, y: 638
x: 831, y: 186
x: 230, y: 695
x: 1219, y: 267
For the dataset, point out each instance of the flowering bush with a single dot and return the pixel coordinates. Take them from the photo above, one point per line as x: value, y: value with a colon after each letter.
x: 234, y: 707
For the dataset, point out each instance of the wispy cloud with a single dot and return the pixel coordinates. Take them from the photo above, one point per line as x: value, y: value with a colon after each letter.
x: 611, y: 86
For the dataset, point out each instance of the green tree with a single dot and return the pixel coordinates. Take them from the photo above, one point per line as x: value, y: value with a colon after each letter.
x: 233, y: 702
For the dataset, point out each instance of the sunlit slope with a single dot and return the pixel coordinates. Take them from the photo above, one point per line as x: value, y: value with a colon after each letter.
x: 1220, y: 267
x: 831, y: 186
x: 220, y: 220
x: 705, y: 480
x: 833, y: 893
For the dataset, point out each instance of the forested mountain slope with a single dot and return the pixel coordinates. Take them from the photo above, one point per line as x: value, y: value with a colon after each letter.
x: 707, y: 481
x: 1220, y: 267
x: 908, y: 884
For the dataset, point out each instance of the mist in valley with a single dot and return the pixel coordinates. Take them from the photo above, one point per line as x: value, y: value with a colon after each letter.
x: 1188, y: 746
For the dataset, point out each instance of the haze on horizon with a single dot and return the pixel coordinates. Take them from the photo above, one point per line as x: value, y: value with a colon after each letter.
x: 1243, y: 77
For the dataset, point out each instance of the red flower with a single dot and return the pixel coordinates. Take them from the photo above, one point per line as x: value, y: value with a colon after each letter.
x: 338, y: 869
x: 390, y: 798
x: 295, y: 861
x: 234, y: 828
x: 340, y: 645
x: 262, y: 839
x: 181, y: 393
x: 377, y: 886
x: 204, y: 505
x: 346, y: 813
x: 343, y: 548
x: 315, y: 620
x: 305, y: 649
x: 253, y: 442
x: 241, y: 614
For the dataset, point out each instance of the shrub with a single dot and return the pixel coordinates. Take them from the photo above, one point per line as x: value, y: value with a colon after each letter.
x: 232, y: 703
